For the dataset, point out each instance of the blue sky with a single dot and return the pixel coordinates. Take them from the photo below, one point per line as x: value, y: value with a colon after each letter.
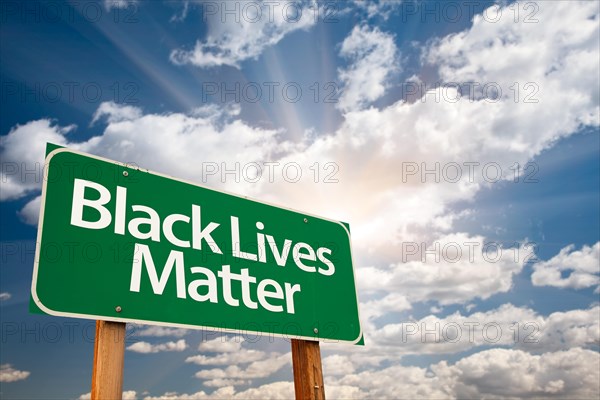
x: 369, y: 89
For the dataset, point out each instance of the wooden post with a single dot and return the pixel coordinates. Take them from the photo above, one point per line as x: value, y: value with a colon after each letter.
x: 109, y: 354
x: 308, y: 372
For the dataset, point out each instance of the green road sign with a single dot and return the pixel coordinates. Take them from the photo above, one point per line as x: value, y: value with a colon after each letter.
x: 124, y: 244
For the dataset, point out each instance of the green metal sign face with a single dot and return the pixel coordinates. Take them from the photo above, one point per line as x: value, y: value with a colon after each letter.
x: 123, y: 244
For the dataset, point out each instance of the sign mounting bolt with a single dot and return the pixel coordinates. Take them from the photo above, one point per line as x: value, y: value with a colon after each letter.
x: 306, y: 220
x: 316, y: 330
x: 125, y: 173
x: 118, y: 309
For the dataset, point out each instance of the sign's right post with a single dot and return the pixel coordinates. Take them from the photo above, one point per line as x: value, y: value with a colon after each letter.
x: 308, y: 371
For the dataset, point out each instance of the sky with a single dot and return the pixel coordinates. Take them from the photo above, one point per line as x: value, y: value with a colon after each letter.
x: 458, y: 139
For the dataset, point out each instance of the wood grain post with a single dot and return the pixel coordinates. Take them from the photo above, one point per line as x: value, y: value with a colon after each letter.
x: 308, y: 372
x: 109, y: 354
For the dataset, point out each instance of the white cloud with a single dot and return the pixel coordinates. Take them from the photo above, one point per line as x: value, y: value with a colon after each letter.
x: 377, y: 8
x: 22, y: 154
x: 160, y: 331
x: 128, y: 136
x: 499, y: 373
x: 491, y: 374
x: 583, y: 267
x: 4, y: 296
x: 270, y: 391
x: 256, y: 369
x: 505, y: 326
x: 30, y: 214
x: 454, y: 269
x: 392, y: 302
x: 231, y: 354
x: 260, y: 25
x: 337, y: 365
x: 116, y: 112
x: 9, y: 374
x: 224, y: 382
x: 241, y: 356
x: 127, y: 395
x: 393, y: 382
x: 145, y: 347
x: 559, y: 55
x: 222, y: 344
x: 374, y: 147
x: 436, y: 310
x: 182, y: 14
x: 373, y: 59
x: 110, y: 4
x: 562, y: 330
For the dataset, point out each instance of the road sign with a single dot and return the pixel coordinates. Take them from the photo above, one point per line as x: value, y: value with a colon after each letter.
x: 124, y: 244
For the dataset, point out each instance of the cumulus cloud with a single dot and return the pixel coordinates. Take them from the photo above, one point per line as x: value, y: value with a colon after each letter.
x: 22, y: 153
x: 561, y: 330
x: 494, y: 374
x: 392, y: 302
x: 127, y: 395
x: 507, y: 325
x: 256, y: 26
x: 204, y: 133
x: 270, y: 391
x: 30, y: 214
x: 373, y: 60
x: 160, y: 331
x: 222, y: 344
x: 454, y: 269
x: 468, y: 143
x: 561, y: 57
x: 9, y: 374
x: 500, y: 373
x: 145, y: 347
x: 116, y: 113
x: 241, y: 356
x: 4, y: 296
x: 231, y: 353
x: 582, y: 268
x: 255, y: 370
x: 336, y: 365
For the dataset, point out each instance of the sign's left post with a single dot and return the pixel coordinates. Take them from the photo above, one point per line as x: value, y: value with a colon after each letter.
x: 109, y: 355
